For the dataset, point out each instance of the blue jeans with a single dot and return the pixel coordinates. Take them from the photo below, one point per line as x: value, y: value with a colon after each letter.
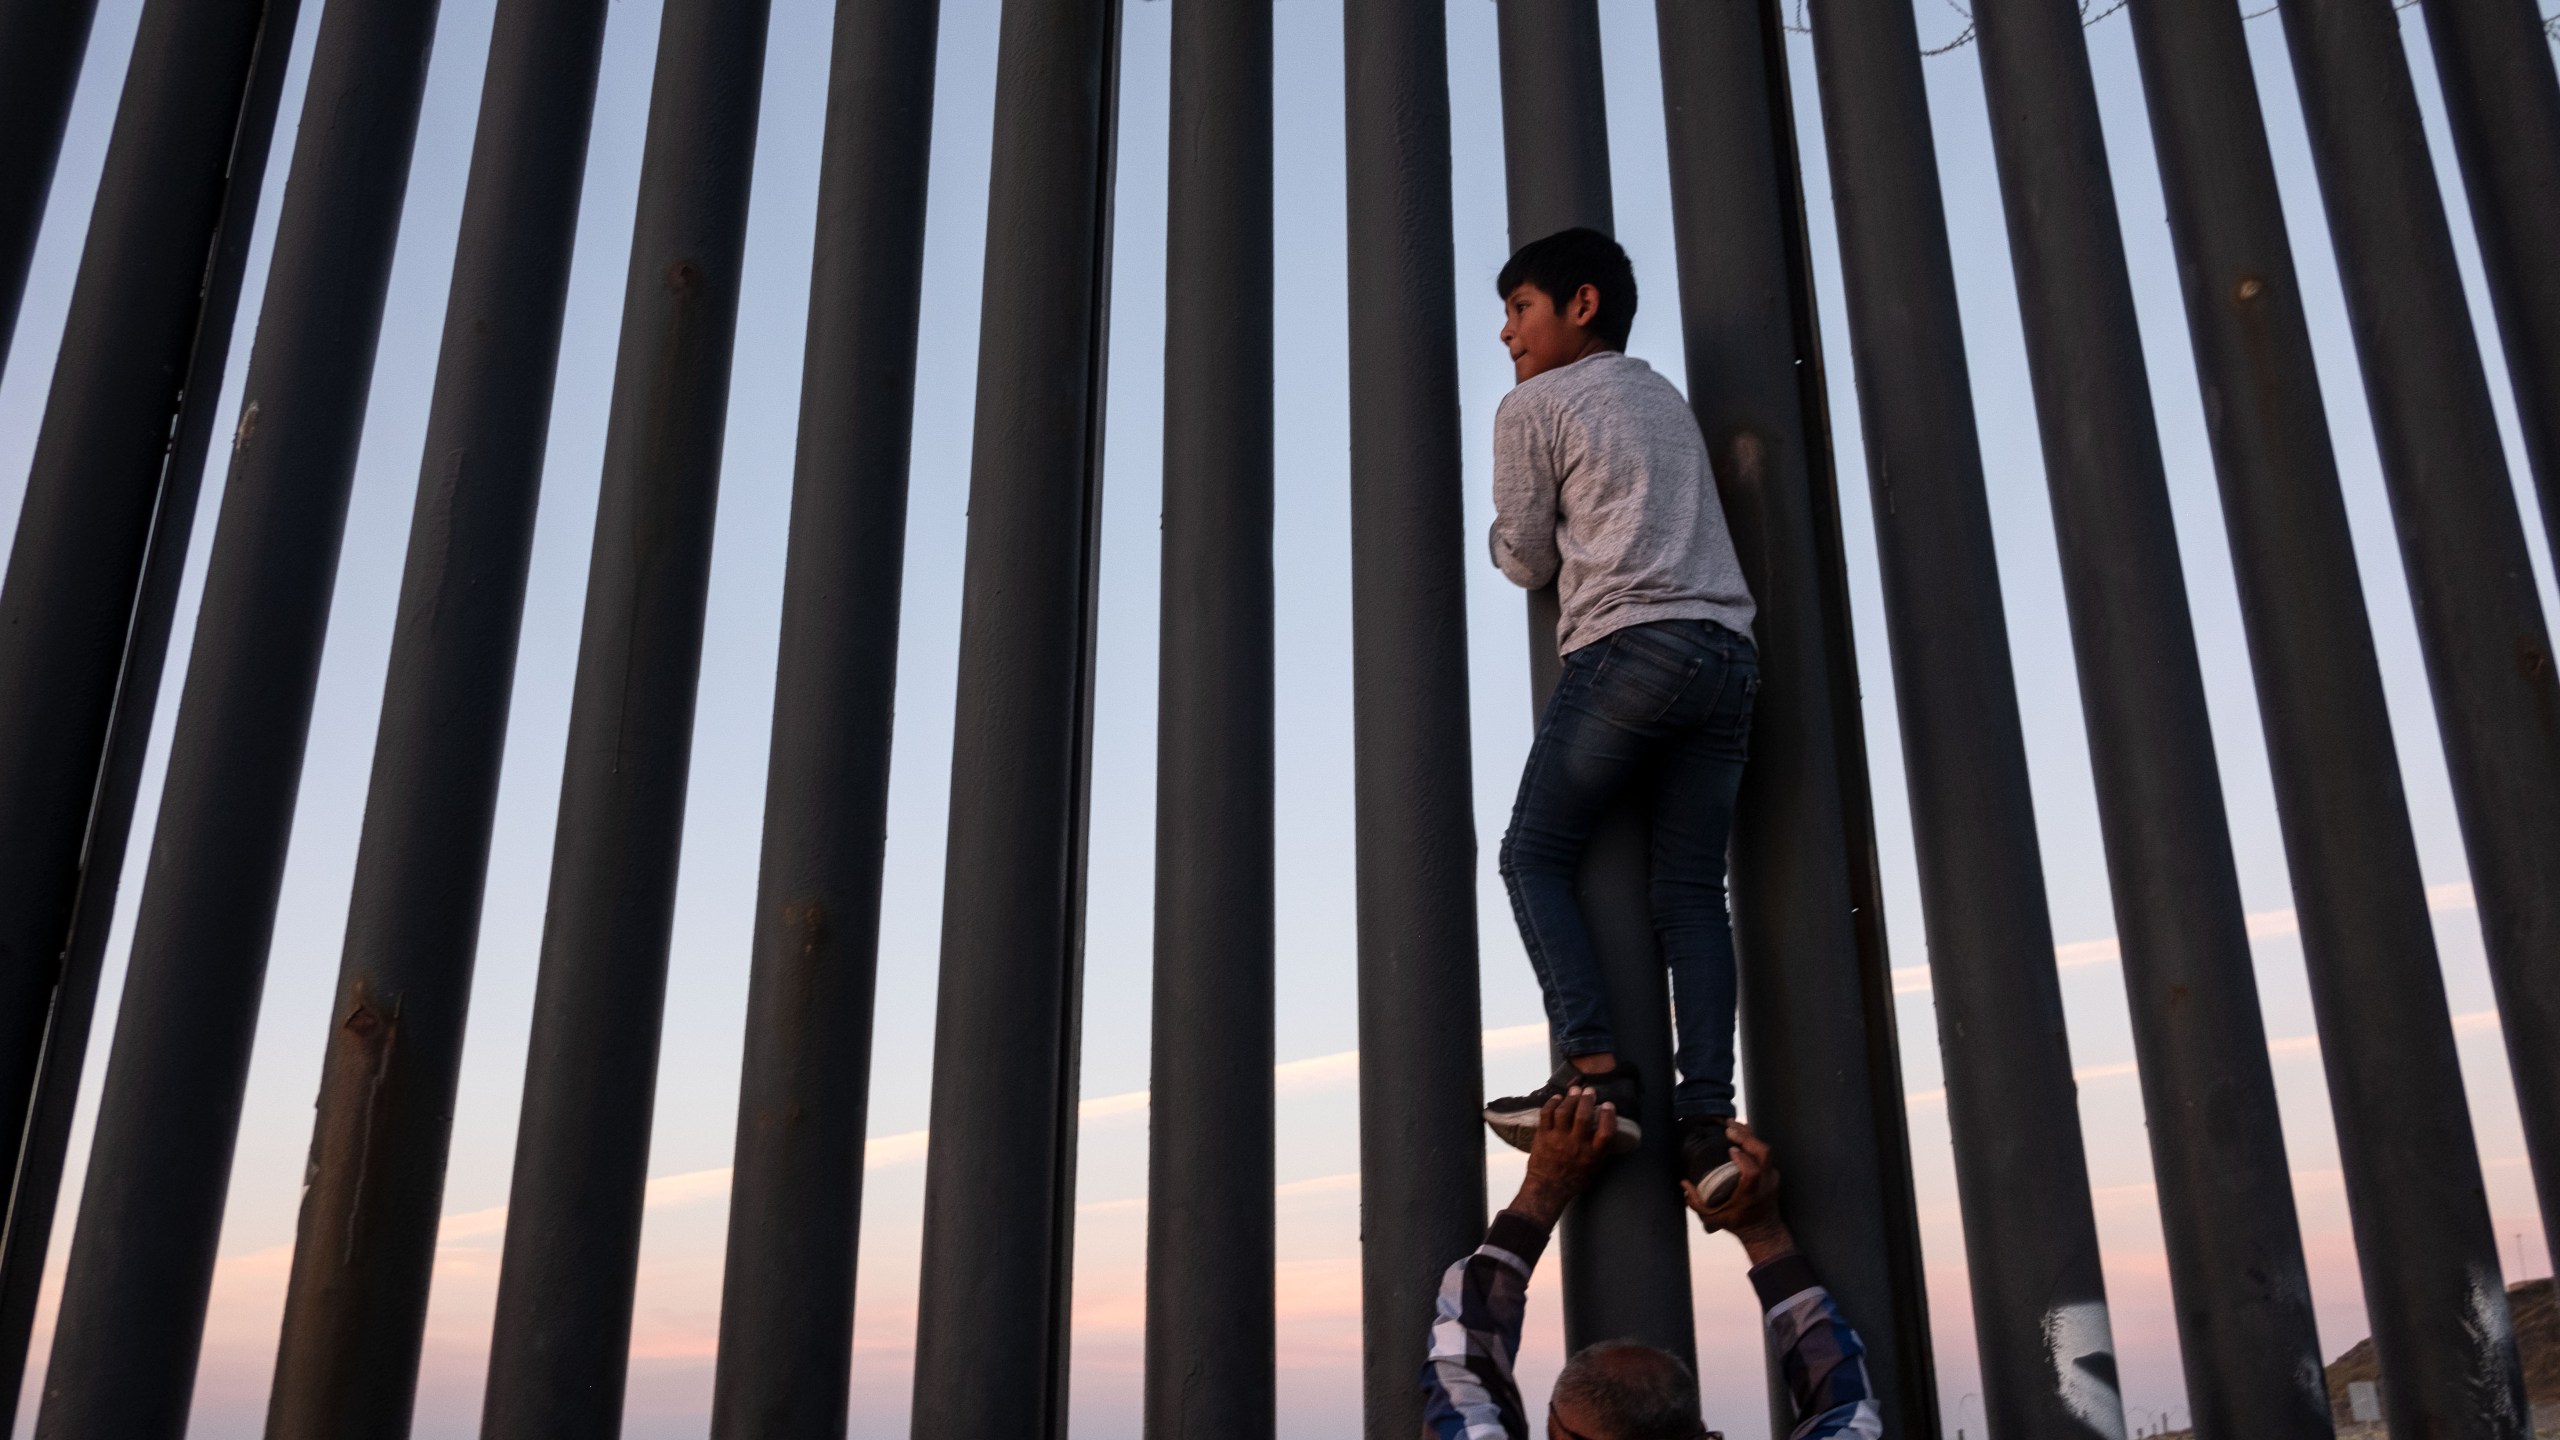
x: 1666, y: 707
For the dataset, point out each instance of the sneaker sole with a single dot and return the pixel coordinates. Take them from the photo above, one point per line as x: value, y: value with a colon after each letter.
x: 1719, y: 1185
x: 1520, y: 1131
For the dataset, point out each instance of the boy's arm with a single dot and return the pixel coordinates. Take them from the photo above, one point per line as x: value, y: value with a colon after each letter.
x: 1524, y: 496
x: 1821, y: 1358
x: 1467, y: 1386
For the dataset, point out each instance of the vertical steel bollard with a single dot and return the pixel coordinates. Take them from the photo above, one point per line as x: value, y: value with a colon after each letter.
x: 795, y: 1205
x: 1210, y: 1245
x: 1422, y: 1202
x: 560, y: 1345
x: 1820, y: 1055
x: 2040, y: 1310
x: 41, y: 44
x: 119, y: 454
x: 1626, y: 1241
x: 2245, y: 1325
x: 992, y: 1321
x: 355, y: 1307
x: 2503, y: 101
x: 2412, y: 1173
x: 194, y: 390
x: 133, y: 1307
x: 2480, y: 622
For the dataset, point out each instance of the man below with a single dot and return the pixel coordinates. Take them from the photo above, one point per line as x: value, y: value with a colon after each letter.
x: 1620, y: 1390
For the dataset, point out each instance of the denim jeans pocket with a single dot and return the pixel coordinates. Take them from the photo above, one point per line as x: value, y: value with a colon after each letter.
x: 1639, y: 680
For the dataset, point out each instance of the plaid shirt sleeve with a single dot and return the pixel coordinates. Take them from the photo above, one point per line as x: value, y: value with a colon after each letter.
x: 1467, y: 1388
x: 1822, y: 1358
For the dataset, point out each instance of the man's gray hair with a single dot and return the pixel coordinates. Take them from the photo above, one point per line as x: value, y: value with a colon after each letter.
x: 1633, y: 1391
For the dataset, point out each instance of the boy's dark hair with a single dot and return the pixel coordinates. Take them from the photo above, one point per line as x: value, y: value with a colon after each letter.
x: 1566, y: 261
x: 1633, y: 1391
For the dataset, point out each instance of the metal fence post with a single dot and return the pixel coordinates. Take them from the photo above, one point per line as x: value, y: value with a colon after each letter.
x: 1626, y: 1241
x: 2040, y: 1311
x: 194, y: 389
x: 2404, y: 1134
x: 2480, y: 622
x: 356, y: 1303
x: 2502, y: 99
x: 795, y: 1204
x: 1820, y: 1054
x: 132, y: 1319
x: 560, y: 1345
x: 2245, y: 1325
x: 1210, y: 1244
x: 1422, y: 1202
x: 41, y: 45
x: 992, y: 1323
x: 85, y: 611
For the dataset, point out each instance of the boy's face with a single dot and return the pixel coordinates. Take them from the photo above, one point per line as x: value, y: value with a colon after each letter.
x: 1542, y: 335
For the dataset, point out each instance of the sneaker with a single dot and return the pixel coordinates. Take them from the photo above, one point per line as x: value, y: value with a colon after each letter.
x: 1515, y: 1118
x: 1706, y: 1158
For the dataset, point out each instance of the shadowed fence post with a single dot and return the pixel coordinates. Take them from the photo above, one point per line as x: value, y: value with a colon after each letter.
x: 41, y: 45
x: 133, y: 1308
x: 2245, y: 1325
x: 2462, y: 543
x: 2502, y: 103
x: 1625, y: 1241
x: 560, y: 1344
x: 1000, y: 1171
x: 1422, y: 1202
x: 2031, y: 1241
x: 99, y: 550
x: 795, y: 1204
x: 147, y: 166
x: 2412, y: 1171
x: 1821, y: 1060
x: 1210, y: 1214
x: 364, y: 1252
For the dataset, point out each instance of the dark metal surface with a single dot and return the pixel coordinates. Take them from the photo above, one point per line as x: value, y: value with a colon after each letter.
x: 1000, y: 1173
x: 1625, y: 1242
x: 41, y: 45
x: 2039, y: 1298
x: 795, y: 1206
x: 2404, y: 1134
x: 141, y: 1262
x: 1210, y: 1245
x: 1422, y: 1201
x: 194, y: 402
x: 1820, y: 1056
x: 356, y: 1304
x: 2245, y: 1326
x: 2502, y: 103
x: 562, y: 1335
x: 2462, y: 542
x: 149, y: 327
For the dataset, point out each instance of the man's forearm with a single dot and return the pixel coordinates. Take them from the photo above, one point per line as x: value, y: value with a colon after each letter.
x: 1765, y: 1241
x: 1543, y: 1203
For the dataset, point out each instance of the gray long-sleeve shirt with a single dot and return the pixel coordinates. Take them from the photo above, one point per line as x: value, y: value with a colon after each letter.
x: 1601, y: 486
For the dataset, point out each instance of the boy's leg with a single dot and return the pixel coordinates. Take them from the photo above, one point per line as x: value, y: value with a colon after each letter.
x: 1700, y: 771
x: 1585, y: 750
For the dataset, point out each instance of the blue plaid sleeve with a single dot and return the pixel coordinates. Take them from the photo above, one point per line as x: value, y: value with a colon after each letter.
x: 1822, y: 1358
x: 1467, y: 1388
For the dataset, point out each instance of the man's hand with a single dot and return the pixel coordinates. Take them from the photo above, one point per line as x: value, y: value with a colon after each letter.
x: 1573, y: 1138
x: 1751, y: 1211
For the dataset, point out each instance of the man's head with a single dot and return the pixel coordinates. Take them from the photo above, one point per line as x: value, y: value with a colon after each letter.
x: 1620, y: 1390
x: 1569, y: 295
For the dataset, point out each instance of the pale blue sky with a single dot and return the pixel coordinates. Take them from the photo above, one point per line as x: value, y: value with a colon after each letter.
x: 678, y: 1297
